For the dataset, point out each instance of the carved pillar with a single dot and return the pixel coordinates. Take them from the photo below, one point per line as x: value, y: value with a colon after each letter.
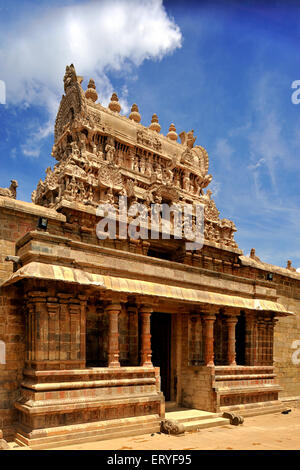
x: 113, y: 310
x: 146, y: 353
x: 231, y: 321
x: 74, y: 309
x: 260, y: 341
x: 53, y: 327
x: 83, y: 305
x: 64, y: 326
x: 208, y: 319
x: 250, y: 338
x: 132, y: 334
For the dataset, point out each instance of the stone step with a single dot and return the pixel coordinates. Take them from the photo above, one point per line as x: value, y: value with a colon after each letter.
x: 74, y: 440
x: 255, y: 409
x: 205, y: 423
x: 108, y: 430
x: 187, y: 415
x: 262, y: 411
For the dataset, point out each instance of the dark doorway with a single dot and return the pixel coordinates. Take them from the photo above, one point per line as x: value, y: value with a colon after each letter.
x: 240, y: 336
x: 161, y: 349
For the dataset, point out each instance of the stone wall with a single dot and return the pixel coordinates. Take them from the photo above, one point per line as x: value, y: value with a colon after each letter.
x: 16, y: 219
x: 12, y: 332
x: 286, y: 348
x: 196, y: 381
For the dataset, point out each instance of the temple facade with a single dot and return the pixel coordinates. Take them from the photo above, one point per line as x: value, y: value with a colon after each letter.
x: 98, y: 336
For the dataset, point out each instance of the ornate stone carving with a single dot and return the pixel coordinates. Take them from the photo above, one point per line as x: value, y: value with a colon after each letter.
x: 169, y: 426
x: 110, y: 176
x: 110, y: 150
x: 96, y: 153
x: 210, y: 210
x: 290, y: 267
x: 235, y: 420
x: 165, y: 192
x: 10, y: 192
x: 71, y: 104
x: 253, y: 255
x: 145, y: 138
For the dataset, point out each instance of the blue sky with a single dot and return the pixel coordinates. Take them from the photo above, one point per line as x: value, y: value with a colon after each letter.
x: 224, y: 69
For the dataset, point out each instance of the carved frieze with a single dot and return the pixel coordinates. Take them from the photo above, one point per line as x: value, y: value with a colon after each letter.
x: 146, y: 138
x: 110, y: 176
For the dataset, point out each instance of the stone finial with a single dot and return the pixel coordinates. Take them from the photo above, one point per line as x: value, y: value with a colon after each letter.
x: 289, y: 266
x: 172, y: 132
x: 154, y: 126
x: 114, y: 104
x: 91, y: 92
x: 135, y: 115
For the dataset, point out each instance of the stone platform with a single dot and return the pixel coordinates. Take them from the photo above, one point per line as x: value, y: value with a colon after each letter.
x: 72, y: 406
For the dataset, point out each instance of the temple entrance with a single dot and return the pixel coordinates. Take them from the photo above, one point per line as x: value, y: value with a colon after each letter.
x: 161, y: 349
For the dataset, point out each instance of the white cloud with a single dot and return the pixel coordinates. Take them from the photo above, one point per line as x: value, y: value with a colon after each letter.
x: 98, y: 37
x: 223, y: 149
x: 215, y: 187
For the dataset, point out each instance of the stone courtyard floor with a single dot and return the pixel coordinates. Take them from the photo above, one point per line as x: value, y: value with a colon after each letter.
x: 266, y: 432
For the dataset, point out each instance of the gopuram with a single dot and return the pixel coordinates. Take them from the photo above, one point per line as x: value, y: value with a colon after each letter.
x: 105, y: 337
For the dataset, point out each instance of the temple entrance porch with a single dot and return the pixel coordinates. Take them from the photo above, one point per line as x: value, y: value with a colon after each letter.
x: 99, y: 361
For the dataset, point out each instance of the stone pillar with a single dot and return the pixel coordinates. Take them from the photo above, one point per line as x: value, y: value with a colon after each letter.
x: 74, y: 310
x: 53, y: 328
x: 37, y: 346
x: 208, y: 319
x: 83, y: 306
x: 231, y: 321
x: 250, y: 338
x: 113, y: 310
x: 146, y: 353
x: 260, y: 341
x: 132, y: 334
